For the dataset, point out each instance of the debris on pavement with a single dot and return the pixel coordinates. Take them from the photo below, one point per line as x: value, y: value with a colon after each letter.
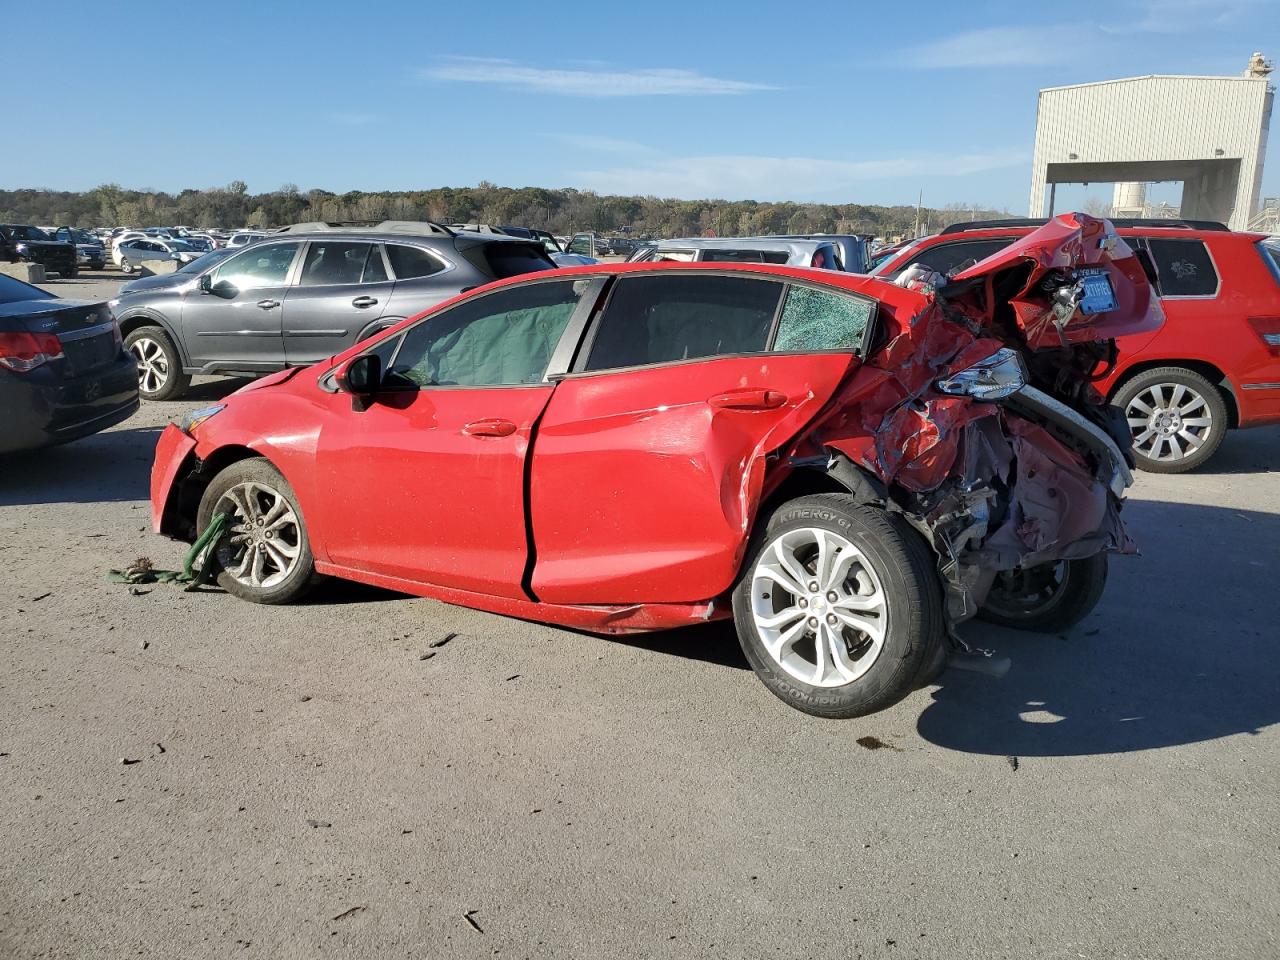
x: 427, y: 655
x: 1013, y: 763
x: 350, y: 913
x: 875, y: 743
x: 41, y: 597
x: 129, y: 761
x: 318, y: 823
x: 443, y: 640
x: 469, y: 916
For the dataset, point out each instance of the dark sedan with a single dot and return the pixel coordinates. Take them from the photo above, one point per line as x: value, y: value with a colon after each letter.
x: 64, y: 373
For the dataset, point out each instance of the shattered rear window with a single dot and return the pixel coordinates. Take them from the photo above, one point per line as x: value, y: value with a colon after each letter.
x: 821, y: 320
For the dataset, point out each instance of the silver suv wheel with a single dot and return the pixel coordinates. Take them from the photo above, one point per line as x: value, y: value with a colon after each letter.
x: 1170, y: 421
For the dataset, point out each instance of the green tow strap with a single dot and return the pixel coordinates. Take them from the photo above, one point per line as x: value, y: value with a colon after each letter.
x: 141, y: 570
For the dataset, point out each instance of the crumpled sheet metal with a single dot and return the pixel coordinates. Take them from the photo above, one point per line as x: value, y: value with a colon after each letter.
x: 912, y: 436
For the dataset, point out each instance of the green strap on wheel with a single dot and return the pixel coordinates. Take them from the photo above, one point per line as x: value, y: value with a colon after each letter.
x: 191, y: 575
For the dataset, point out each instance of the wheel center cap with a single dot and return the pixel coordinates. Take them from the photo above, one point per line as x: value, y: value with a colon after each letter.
x: 817, y: 603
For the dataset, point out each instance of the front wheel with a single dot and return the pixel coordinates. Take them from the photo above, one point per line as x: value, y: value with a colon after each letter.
x: 125, y: 265
x: 838, y: 607
x: 1047, y: 598
x: 264, y: 556
x: 160, y: 375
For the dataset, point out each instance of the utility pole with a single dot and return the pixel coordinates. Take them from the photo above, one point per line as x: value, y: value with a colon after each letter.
x: 919, y: 202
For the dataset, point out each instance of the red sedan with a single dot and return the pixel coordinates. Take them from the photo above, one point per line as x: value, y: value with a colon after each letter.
x: 844, y: 465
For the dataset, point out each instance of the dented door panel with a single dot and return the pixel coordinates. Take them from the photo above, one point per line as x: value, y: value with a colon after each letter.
x: 645, y: 482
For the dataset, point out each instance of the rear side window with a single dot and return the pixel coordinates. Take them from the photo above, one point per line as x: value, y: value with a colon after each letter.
x: 1271, y: 256
x: 948, y: 258
x: 660, y: 319
x: 1184, y: 267
x: 334, y: 262
x: 821, y: 320
x: 746, y: 256
x: 411, y: 262
x: 512, y: 259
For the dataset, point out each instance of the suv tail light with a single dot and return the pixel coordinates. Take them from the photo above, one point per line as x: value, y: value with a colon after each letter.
x: 1268, y: 328
x: 21, y: 352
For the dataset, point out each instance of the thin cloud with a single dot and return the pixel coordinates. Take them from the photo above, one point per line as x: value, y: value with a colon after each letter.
x: 586, y: 83
x: 739, y: 177
x: 1183, y: 16
x: 996, y: 47
x: 598, y: 144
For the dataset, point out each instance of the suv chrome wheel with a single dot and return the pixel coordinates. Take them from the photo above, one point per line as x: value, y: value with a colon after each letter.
x: 1170, y: 421
x: 264, y: 539
x: 153, y: 364
x: 819, y: 607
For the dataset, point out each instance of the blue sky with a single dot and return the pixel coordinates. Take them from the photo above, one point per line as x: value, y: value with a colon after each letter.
x: 836, y: 101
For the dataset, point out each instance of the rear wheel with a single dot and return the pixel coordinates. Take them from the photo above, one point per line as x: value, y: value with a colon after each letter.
x: 838, y: 608
x: 265, y: 556
x: 1047, y: 598
x: 160, y: 375
x: 1177, y: 417
x: 125, y: 265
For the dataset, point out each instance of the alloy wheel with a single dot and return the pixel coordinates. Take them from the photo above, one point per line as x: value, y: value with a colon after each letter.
x: 264, y: 538
x: 1170, y: 421
x: 153, y: 364
x: 819, y: 607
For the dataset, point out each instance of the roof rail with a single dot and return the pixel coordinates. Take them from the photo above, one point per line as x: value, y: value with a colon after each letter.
x: 1167, y: 223
x: 477, y: 228
x: 418, y: 227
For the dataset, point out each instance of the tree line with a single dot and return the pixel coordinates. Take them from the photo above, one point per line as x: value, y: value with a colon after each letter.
x: 561, y: 211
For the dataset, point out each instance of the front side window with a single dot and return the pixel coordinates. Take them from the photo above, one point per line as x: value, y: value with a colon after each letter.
x: 411, y: 262
x: 1184, y: 268
x: 660, y: 319
x: 676, y: 256
x: 951, y: 258
x: 822, y: 320
x: 580, y: 245
x: 502, y: 339
x: 335, y: 262
x: 266, y: 265
x: 746, y: 256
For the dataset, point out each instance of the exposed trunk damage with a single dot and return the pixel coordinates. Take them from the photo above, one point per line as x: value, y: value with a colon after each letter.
x: 1036, y: 474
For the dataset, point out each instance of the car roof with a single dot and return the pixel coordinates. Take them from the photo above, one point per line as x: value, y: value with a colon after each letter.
x: 1200, y: 229
x: 796, y: 245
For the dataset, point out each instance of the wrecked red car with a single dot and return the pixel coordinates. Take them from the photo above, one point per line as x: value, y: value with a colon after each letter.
x: 845, y: 466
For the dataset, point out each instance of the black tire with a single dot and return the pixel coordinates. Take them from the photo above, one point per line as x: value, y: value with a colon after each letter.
x: 1047, y: 599
x: 913, y: 626
x: 1166, y: 380
x: 301, y: 578
x: 174, y: 382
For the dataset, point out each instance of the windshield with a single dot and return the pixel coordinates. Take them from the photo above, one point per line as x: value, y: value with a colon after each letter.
x: 15, y: 291
x: 84, y: 236
x: 201, y: 264
x: 28, y: 233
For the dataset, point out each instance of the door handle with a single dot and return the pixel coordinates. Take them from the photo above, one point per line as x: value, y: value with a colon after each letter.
x: 749, y: 399
x: 268, y: 304
x: 494, y: 427
x: 363, y: 302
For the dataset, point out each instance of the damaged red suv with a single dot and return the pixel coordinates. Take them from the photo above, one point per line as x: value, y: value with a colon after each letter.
x: 846, y: 466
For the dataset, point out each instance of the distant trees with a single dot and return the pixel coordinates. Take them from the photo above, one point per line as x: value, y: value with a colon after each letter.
x: 559, y: 210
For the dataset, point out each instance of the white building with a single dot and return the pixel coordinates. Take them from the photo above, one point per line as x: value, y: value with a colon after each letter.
x: 1208, y: 132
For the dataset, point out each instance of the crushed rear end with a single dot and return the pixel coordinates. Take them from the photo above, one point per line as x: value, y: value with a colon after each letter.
x: 978, y: 416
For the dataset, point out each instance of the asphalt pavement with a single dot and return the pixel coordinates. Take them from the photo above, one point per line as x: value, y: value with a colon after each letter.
x: 186, y: 775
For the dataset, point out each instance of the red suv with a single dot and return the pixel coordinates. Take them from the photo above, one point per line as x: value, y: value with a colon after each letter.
x: 1215, y: 363
x: 843, y: 465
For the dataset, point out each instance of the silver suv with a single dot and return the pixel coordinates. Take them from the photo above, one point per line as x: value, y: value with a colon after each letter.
x: 304, y: 293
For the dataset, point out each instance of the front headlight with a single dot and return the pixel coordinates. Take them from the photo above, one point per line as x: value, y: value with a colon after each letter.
x: 994, y: 378
x: 193, y: 418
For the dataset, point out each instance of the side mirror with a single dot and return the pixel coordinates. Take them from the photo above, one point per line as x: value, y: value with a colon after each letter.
x: 361, y: 377
x: 223, y: 288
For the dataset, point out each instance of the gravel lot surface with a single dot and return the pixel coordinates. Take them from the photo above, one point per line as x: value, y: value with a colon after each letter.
x: 186, y: 775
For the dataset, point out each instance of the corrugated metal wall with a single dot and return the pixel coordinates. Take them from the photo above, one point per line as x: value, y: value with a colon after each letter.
x: 1153, y: 119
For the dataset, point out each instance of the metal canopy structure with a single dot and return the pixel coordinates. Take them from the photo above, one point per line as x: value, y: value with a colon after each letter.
x: 1208, y: 132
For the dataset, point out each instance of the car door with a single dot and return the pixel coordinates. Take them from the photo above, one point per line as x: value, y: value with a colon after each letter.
x: 342, y: 290
x: 426, y: 482
x: 650, y: 457
x: 234, y: 317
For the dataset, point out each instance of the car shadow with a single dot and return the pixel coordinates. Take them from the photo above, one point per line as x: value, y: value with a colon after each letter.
x: 1182, y: 649
x: 715, y: 643
x: 214, y: 388
x: 103, y: 468
x: 1256, y: 450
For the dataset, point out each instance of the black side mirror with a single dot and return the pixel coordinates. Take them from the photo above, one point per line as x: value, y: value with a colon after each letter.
x: 361, y: 377
x: 223, y: 288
